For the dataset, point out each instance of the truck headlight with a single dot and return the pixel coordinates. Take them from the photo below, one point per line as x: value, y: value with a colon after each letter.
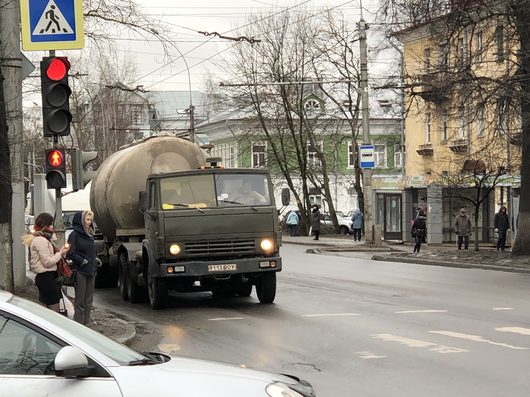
x: 174, y: 249
x: 266, y: 245
x: 281, y: 390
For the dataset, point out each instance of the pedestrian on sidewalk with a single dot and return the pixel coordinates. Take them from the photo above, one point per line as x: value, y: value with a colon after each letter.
x: 44, y: 257
x: 357, y: 224
x: 82, y: 253
x: 292, y: 222
x: 419, y: 230
x: 462, y: 226
x: 315, y: 221
x: 502, y: 225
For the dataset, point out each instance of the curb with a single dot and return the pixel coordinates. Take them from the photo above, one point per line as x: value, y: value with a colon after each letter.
x: 462, y: 265
x: 129, y: 337
x: 343, y: 247
x: 318, y: 251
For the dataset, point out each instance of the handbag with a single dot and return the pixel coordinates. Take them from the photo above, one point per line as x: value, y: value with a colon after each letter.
x: 67, y: 276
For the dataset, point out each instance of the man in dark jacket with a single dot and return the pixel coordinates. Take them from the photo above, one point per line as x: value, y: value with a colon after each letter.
x: 502, y: 225
x: 315, y: 221
x: 82, y: 253
x: 419, y: 230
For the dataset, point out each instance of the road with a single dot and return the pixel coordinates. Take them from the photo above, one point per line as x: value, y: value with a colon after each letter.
x: 355, y: 327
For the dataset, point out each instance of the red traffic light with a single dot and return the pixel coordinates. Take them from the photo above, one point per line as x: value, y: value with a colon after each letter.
x: 58, y: 68
x: 55, y: 158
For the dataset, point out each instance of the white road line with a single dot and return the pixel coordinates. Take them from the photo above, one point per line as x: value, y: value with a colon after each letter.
x: 330, y: 314
x: 421, y: 311
x: 226, y: 318
x: 502, y: 308
x: 476, y: 338
x: 366, y: 355
x: 515, y: 330
x: 419, y: 343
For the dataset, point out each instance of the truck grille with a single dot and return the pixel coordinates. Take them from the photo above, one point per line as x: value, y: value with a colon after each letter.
x: 220, y: 248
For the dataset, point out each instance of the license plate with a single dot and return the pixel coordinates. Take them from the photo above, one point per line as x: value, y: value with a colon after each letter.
x: 227, y: 267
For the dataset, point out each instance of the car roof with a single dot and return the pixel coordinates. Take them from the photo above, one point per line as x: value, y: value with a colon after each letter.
x: 5, y: 296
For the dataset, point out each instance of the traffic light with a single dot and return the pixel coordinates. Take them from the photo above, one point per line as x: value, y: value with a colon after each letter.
x: 55, y: 168
x: 56, y: 114
x: 80, y: 175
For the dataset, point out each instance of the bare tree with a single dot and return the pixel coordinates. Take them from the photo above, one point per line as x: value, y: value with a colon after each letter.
x: 501, y: 88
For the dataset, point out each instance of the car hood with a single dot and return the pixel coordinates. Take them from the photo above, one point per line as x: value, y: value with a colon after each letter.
x: 195, y: 378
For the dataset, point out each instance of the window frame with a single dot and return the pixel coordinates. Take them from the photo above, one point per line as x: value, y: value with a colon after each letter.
x: 313, y: 160
x: 253, y: 159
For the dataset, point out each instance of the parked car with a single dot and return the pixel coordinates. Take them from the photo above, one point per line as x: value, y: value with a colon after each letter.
x: 344, y: 223
x: 44, y: 353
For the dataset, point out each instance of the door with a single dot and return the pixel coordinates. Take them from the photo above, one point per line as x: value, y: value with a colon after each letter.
x: 392, y: 217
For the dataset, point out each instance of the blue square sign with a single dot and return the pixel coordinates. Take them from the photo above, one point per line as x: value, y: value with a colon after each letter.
x: 366, y: 156
x: 52, y: 24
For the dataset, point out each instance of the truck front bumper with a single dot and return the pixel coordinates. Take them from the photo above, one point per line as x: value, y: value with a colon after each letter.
x: 222, y: 267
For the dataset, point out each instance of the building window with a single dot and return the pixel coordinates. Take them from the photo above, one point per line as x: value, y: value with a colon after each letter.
x: 479, y: 48
x: 462, y: 124
x: 398, y: 159
x: 137, y: 114
x: 460, y: 51
x: 480, y: 120
x: 312, y: 154
x: 427, y: 60
x: 443, y: 126
x: 443, y: 56
x: 352, y: 155
x: 227, y: 152
x: 380, y: 155
x: 499, y: 39
x: 259, y: 155
x: 312, y: 105
x: 427, y: 128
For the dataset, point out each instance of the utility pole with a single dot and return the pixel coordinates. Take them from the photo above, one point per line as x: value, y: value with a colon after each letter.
x: 11, y: 61
x: 369, y: 227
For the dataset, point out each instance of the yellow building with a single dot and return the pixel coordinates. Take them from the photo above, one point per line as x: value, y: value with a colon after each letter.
x: 462, y: 126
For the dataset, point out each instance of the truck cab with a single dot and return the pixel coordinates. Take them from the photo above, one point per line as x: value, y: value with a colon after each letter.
x: 211, y: 229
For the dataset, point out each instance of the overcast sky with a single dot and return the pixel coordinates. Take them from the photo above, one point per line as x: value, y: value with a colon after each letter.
x: 201, y: 53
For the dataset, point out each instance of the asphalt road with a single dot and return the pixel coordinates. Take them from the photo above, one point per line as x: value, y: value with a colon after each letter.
x: 355, y: 327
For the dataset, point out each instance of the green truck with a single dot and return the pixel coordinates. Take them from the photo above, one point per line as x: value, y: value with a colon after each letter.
x: 170, y: 220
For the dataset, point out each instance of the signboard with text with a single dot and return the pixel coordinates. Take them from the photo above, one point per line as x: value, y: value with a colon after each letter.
x: 367, y: 156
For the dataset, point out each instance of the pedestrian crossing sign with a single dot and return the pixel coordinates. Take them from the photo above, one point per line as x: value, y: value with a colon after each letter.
x: 52, y: 24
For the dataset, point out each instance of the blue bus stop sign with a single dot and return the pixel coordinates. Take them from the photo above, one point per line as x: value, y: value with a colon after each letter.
x: 367, y: 157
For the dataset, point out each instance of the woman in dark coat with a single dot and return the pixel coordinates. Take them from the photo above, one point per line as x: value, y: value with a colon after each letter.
x: 82, y: 253
x: 419, y: 230
x: 315, y: 221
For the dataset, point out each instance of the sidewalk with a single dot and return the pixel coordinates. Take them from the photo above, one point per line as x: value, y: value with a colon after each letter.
x: 104, y: 322
x: 439, y: 255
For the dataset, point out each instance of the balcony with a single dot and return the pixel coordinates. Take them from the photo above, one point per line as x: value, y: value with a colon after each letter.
x: 458, y: 146
x: 425, y: 150
x: 434, y: 87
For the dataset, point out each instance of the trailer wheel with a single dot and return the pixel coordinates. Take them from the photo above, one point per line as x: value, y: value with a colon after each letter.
x: 135, y: 292
x: 245, y: 290
x: 266, y: 287
x: 122, y: 277
x: 158, y: 291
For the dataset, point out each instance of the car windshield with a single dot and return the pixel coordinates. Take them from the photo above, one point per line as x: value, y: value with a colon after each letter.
x: 114, y: 350
x: 214, y: 190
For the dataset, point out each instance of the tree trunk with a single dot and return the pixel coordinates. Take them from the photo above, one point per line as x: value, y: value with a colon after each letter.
x: 6, y: 197
x: 476, y: 227
x: 522, y: 243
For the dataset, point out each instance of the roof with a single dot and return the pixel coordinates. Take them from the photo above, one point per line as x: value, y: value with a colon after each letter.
x: 173, y: 103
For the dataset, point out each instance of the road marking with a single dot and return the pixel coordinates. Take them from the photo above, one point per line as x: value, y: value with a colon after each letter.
x: 366, y: 355
x: 476, y: 338
x: 226, y: 318
x: 419, y: 343
x: 421, y: 311
x: 502, y: 308
x: 330, y: 314
x: 515, y: 330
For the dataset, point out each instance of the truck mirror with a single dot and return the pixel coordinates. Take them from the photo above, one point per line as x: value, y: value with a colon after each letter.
x: 286, y: 196
x: 143, y: 201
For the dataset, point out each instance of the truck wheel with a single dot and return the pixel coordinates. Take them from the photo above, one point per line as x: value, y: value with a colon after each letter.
x: 122, y: 277
x: 266, y: 287
x: 135, y: 292
x: 344, y: 230
x: 245, y: 290
x: 157, y: 292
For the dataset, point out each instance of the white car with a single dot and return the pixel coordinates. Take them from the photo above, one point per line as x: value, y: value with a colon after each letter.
x: 45, y: 354
x: 344, y: 223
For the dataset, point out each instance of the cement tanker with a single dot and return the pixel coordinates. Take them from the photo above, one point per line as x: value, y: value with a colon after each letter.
x: 171, y: 220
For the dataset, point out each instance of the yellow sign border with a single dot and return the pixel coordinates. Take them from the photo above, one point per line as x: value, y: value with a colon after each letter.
x: 28, y: 45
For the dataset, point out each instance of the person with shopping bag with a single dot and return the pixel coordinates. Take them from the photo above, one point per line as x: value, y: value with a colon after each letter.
x: 82, y: 253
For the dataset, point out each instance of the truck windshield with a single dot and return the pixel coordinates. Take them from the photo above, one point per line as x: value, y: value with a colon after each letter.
x: 199, y: 191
